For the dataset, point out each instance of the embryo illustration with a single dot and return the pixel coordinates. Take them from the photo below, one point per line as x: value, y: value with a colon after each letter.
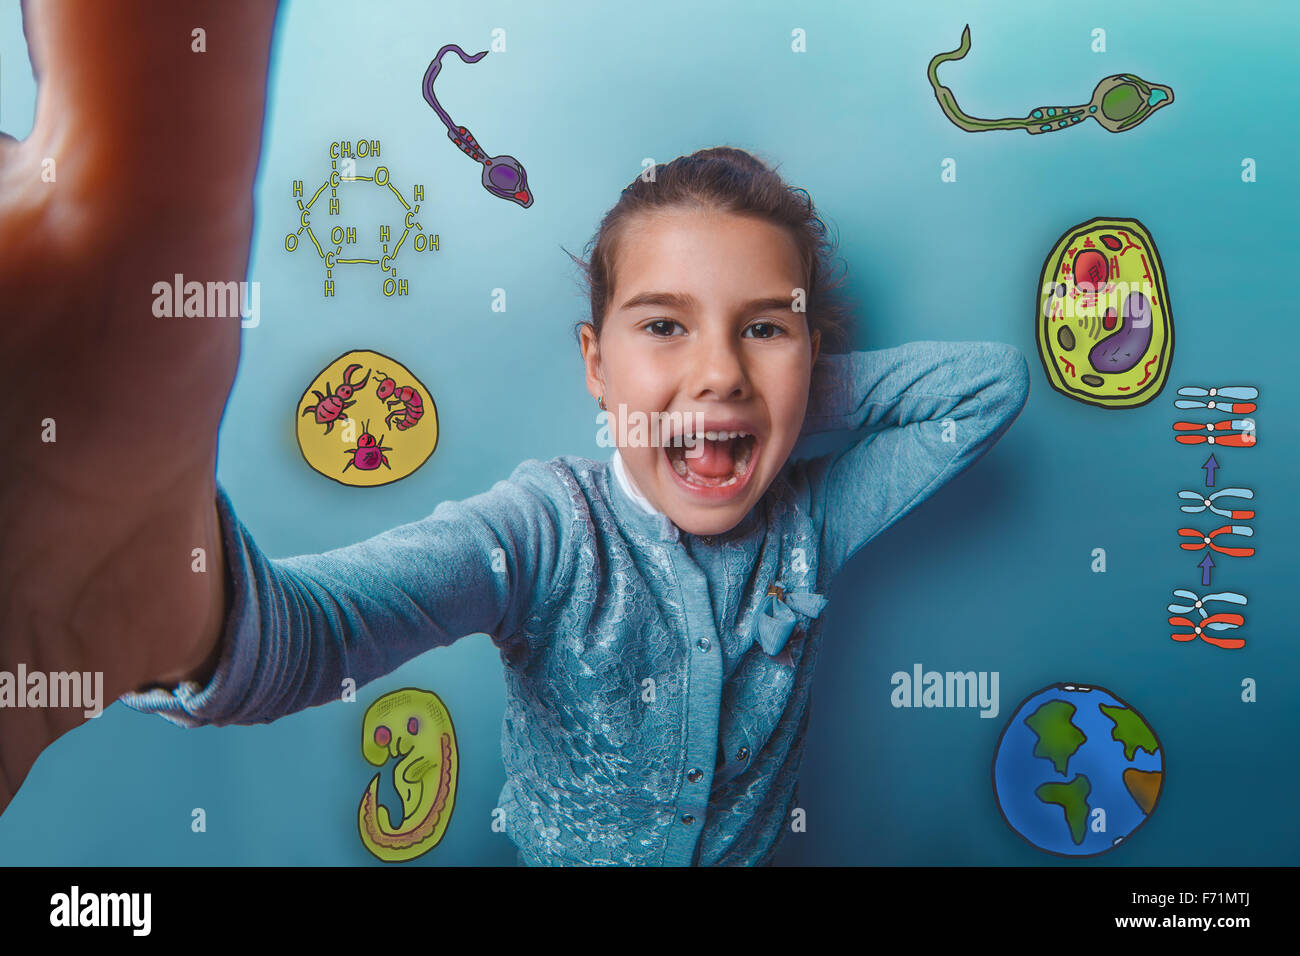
x: 414, y: 728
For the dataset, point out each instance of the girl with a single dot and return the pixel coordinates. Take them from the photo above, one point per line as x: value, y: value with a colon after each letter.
x: 657, y: 613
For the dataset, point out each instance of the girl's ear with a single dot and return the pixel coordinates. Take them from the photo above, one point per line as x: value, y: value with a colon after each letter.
x: 591, y: 359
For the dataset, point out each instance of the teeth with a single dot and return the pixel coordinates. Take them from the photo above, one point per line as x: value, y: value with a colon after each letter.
x: 740, y: 464
x: 720, y: 436
x: 742, y: 461
x: 680, y: 468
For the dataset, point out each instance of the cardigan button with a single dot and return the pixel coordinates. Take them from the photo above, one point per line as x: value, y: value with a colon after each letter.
x: 687, y: 819
x: 695, y: 775
x: 703, y: 644
x: 742, y: 753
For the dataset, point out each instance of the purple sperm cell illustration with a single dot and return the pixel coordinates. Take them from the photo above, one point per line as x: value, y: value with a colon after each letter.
x: 503, y: 176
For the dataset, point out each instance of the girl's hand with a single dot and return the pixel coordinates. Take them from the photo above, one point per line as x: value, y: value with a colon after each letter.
x: 140, y: 166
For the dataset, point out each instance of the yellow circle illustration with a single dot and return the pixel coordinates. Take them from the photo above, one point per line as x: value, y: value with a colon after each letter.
x: 366, y: 420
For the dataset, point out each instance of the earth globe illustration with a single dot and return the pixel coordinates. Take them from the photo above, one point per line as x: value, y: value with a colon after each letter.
x: 1077, y: 770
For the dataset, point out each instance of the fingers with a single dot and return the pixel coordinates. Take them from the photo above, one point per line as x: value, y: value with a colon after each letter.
x: 151, y: 102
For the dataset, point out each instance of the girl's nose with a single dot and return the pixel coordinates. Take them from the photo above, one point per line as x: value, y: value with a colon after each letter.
x: 719, y: 370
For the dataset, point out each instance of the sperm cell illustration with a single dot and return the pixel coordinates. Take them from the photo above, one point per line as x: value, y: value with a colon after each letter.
x: 503, y: 176
x: 1119, y: 102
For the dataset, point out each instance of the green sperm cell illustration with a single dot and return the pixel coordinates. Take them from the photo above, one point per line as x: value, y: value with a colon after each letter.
x: 413, y: 727
x: 1119, y: 103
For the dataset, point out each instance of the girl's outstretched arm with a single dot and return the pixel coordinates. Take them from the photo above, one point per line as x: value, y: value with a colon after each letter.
x: 932, y: 409
x: 299, y: 627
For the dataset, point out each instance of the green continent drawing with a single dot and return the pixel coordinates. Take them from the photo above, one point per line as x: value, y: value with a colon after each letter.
x: 1071, y: 797
x: 1131, y: 731
x: 413, y: 727
x: 1119, y: 102
x: 1058, y: 738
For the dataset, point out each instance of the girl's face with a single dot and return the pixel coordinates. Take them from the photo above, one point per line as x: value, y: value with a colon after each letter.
x: 700, y: 335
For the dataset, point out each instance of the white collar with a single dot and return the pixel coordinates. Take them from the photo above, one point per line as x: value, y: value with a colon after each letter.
x: 625, y: 482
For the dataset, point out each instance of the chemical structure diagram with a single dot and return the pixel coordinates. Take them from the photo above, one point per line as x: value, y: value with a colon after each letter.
x: 343, y: 157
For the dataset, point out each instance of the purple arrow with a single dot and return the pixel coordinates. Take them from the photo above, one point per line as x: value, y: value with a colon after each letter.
x: 1210, y: 467
x: 1205, y: 566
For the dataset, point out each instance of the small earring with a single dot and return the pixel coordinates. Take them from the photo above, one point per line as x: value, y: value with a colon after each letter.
x: 601, y: 402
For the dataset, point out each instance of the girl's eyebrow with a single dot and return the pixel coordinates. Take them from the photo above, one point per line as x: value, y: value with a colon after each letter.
x: 684, y: 301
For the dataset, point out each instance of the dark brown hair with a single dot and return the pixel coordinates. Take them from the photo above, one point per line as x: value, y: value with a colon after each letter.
x: 735, y: 181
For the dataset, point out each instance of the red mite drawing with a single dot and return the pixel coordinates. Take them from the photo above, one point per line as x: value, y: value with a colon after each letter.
x: 406, y: 396
x: 369, y: 454
x: 329, y: 407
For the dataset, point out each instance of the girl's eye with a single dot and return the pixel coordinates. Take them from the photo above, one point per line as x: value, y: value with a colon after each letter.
x: 661, y: 328
x: 765, y: 330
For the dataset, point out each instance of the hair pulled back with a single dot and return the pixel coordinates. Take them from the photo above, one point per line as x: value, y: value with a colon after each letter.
x: 730, y: 180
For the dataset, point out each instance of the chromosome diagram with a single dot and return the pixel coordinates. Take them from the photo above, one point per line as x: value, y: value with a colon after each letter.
x: 1232, y: 399
x: 1229, y: 508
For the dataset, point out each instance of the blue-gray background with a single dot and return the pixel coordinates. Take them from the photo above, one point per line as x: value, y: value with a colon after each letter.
x: 992, y: 574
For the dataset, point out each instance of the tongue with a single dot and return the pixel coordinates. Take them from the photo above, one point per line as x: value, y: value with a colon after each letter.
x: 715, y: 460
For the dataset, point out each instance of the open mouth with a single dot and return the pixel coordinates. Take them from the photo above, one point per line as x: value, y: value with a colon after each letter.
x: 725, y: 460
